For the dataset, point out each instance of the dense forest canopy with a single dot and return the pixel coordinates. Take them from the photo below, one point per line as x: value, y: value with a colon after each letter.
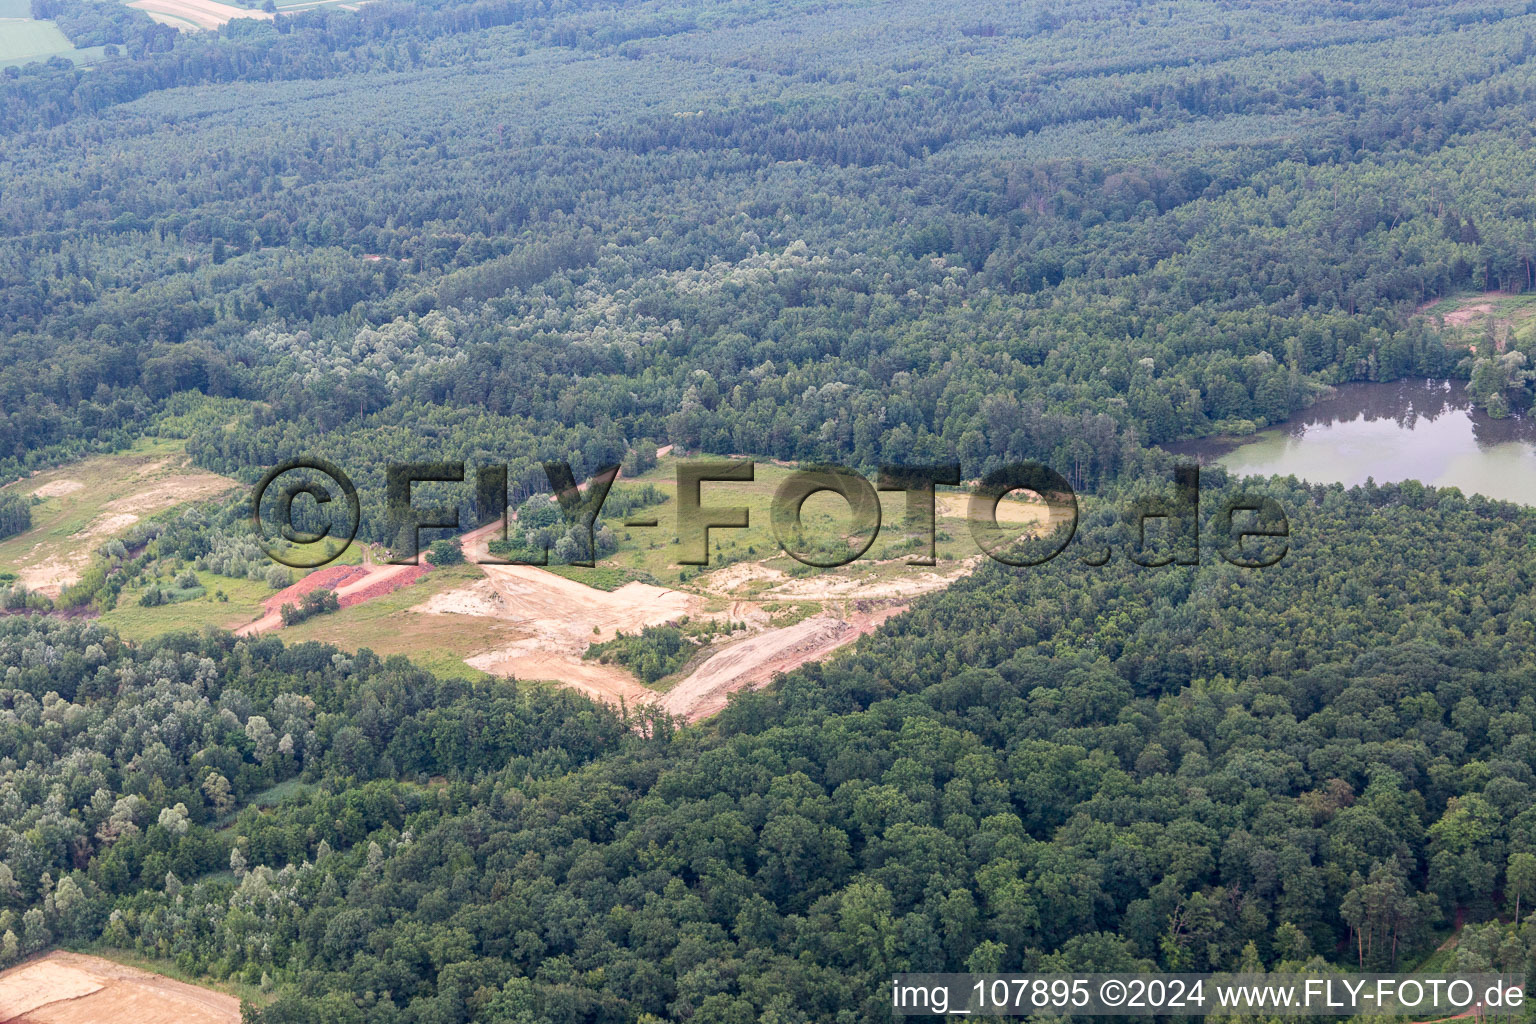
x: 806, y: 232
x: 506, y: 232
x: 1047, y: 768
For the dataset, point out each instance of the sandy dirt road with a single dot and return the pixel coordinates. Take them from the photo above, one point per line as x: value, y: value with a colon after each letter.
x: 753, y: 662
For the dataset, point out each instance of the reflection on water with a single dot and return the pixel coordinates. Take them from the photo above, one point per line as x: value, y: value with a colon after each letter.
x: 1409, y: 430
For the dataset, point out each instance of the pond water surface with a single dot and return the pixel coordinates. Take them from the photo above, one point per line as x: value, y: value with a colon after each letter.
x: 1408, y: 430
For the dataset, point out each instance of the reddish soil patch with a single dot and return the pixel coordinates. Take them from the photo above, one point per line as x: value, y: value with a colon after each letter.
x: 353, y: 584
x: 391, y: 582
x: 330, y: 578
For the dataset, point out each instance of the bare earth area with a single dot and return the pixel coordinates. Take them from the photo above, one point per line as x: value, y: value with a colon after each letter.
x: 559, y: 618
x: 71, y: 988
x: 1465, y: 315
x: 88, y: 503
x: 753, y: 662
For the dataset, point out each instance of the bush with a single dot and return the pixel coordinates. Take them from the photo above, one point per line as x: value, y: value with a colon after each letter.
x: 445, y: 552
x: 316, y: 602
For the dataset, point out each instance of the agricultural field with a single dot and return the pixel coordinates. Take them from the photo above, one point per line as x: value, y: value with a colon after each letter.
x: 23, y: 39
x: 191, y: 15
x: 81, y: 506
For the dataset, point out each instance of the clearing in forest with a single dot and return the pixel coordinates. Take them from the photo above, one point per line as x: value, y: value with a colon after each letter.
x: 72, y: 988
x: 775, y: 613
x: 79, y: 507
x: 1472, y: 319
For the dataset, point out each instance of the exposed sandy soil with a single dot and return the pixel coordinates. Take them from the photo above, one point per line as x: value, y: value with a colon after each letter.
x: 753, y: 662
x: 908, y: 584
x: 1466, y: 314
x: 554, y: 619
x: 108, y: 494
x: 558, y: 618
x: 175, y: 490
x: 732, y: 578
x: 70, y: 988
x: 202, y: 13
x: 58, y: 488
x: 1009, y: 510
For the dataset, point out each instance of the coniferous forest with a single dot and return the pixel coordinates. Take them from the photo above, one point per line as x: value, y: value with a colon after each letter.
x: 516, y: 231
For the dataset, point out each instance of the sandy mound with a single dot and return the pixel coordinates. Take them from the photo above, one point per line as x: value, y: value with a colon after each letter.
x: 480, y: 598
x: 733, y: 577
x: 58, y: 488
x: 106, y: 525
x: 560, y: 618
x: 69, y: 988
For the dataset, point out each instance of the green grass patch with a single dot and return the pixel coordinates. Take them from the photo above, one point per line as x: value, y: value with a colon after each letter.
x: 600, y: 577
x: 139, y: 623
x: 386, y: 626
x: 274, y: 795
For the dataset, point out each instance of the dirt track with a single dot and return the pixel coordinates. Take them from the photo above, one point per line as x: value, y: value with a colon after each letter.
x: 71, y: 988
x: 753, y: 662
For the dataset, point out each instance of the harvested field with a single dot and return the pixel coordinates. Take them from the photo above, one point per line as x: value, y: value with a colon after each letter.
x: 208, y: 14
x: 71, y: 988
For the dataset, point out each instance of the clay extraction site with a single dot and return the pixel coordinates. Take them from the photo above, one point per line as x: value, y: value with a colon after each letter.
x: 778, y: 617
x: 71, y: 988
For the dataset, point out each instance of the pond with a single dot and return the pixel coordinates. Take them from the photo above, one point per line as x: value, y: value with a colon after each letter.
x: 1408, y: 430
